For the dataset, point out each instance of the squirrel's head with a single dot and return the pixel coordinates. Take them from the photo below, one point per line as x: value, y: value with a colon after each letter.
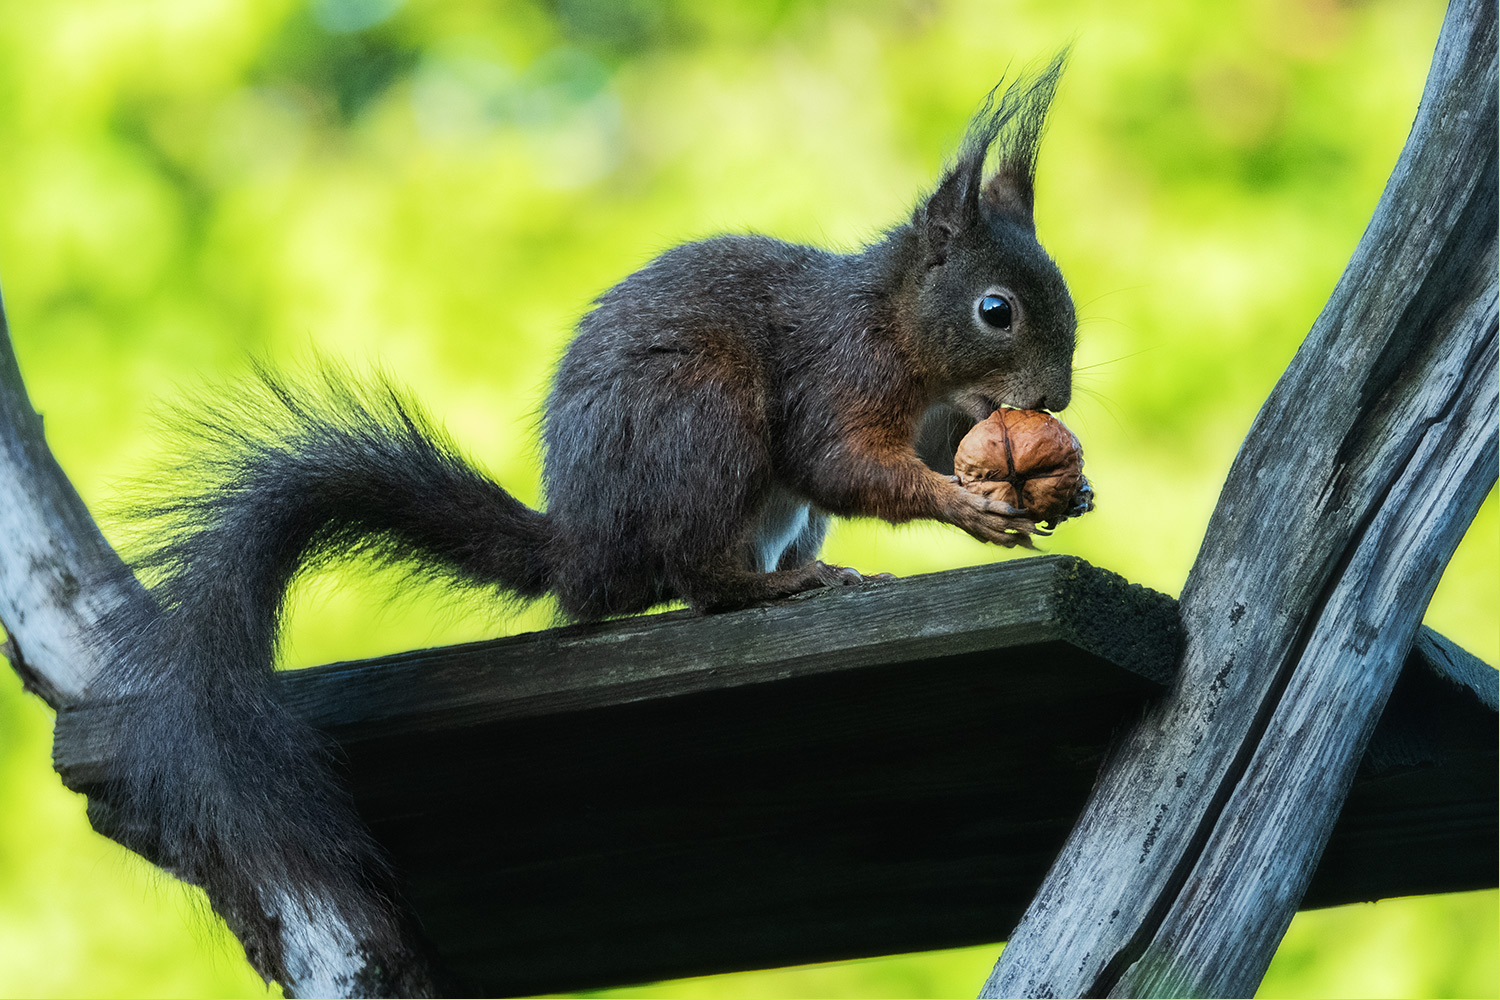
x: 990, y: 306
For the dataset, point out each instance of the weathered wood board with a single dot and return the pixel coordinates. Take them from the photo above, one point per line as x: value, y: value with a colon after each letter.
x: 882, y: 769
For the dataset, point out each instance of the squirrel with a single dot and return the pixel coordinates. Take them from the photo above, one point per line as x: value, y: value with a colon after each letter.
x: 714, y: 409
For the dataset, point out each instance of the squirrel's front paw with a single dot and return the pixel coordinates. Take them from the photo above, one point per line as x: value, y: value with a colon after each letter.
x: 1081, y: 503
x: 1083, y: 499
x: 995, y: 520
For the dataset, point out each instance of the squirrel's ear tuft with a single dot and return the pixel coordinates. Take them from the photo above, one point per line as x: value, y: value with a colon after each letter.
x: 1011, y: 125
x: 1014, y: 125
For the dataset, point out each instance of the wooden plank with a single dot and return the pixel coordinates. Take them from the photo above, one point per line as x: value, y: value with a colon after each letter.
x: 1003, y: 605
x: 676, y: 795
x: 1358, y: 477
x: 578, y: 667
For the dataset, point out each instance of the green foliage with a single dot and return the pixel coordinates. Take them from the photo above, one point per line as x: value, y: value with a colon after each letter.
x: 443, y: 187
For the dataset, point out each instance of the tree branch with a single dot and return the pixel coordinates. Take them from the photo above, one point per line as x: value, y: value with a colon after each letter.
x: 58, y: 578
x: 1353, y: 487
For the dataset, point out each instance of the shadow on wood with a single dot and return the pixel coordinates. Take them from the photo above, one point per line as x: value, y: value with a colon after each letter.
x: 888, y: 768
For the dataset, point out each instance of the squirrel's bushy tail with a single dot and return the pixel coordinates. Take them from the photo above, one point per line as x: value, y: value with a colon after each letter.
x: 210, y: 774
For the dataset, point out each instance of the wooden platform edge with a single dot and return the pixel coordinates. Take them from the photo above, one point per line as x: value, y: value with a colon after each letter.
x: 1022, y: 600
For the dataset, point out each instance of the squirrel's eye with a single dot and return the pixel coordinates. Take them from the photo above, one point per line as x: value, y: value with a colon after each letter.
x: 995, y: 311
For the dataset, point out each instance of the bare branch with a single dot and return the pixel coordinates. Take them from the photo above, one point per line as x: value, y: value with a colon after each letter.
x: 58, y: 575
x: 1356, y: 482
x: 58, y: 578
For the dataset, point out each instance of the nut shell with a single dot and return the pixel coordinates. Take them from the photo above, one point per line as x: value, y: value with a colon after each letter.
x: 1025, y: 458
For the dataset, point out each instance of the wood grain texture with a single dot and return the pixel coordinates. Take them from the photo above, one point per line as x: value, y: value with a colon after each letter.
x: 677, y: 795
x: 1421, y: 815
x: 1050, y: 599
x: 1358, y: 478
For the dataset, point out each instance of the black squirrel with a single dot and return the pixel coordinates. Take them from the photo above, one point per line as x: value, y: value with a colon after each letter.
x: 714, y: 409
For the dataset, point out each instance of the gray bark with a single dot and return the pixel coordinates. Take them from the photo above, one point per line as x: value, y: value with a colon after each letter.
x: 58, y: 575
x: 1354, y: 485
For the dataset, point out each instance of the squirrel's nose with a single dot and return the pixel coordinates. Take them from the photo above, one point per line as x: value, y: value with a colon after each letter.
x: 1055, y: 400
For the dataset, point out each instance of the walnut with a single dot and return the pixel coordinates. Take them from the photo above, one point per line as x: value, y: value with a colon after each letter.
x: 1028, y: 459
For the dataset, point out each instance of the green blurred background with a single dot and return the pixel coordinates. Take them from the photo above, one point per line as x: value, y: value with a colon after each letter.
x: 442, y: 187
